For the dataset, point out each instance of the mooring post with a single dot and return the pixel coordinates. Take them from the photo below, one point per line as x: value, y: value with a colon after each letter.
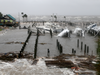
x: 48, y: 52
x: 78, y: 43
x: 58, y: 45
x: 57, y: 42
x: 66, y: 34
x: 72, y: 50
x: 81, y: 46
x: 87, y: 50
x: 60, y: 48
x: 84, y: 49
x: 51, y: 33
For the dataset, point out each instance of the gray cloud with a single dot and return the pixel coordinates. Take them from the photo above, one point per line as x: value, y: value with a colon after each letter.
x: 48, y: 7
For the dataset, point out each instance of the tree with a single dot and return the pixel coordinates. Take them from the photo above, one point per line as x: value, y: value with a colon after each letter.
x: 22, y: 13
x: 22, y: 16
x: 1, y: 15
x: 55, y: 17
x: 65, y: 18
x: 25, y: 15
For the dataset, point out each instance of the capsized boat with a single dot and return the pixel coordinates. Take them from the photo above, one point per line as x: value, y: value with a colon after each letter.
x: 64, y: 33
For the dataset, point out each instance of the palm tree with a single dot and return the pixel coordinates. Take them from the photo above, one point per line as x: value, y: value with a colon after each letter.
x: 25, y: 15
x: 22, y: 13
x: 22, y: 16
x: 55, y: 17
x: 65, y: 19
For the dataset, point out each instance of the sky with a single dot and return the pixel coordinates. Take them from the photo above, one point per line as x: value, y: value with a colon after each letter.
x: 48, y: 7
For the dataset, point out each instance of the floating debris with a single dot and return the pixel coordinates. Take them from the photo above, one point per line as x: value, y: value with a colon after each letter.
x: 10, y: 56
x: 44, y: 43
x: 13, y: 42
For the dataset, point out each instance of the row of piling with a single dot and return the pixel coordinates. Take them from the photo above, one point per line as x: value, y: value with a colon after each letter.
x: 59, y: 46
x: 24, y: 45
x: 86, y: 48
x: 36, y: 44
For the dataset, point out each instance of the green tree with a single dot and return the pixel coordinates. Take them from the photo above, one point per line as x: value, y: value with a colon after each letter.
x: 22, y: 16
x: 1, y: 15
x: 22, y: 13
x: 25, y: 15
x: 65, y: 18
x: 55, y: 17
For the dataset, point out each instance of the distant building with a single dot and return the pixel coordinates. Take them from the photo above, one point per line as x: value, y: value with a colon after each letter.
x: 8, y: 16
x: 8, y: 20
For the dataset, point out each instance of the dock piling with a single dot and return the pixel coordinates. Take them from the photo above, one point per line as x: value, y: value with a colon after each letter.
x: 78, y: 43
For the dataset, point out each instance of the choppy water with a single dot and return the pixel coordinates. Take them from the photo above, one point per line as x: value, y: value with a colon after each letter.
x: 24, y: 67
x: 20, y: 35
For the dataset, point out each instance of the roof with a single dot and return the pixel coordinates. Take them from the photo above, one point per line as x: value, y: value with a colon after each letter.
x: 11, y: 17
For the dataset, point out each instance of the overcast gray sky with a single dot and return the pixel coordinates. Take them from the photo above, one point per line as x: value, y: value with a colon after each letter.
x: 48, y: 7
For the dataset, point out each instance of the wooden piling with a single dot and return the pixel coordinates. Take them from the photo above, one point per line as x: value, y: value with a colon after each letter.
x: 58, y: 45
x: 81, y: 46
x: 57, y: 42
x: 78, y: 43
x: 84, y: 49
x: 24, y: 45
x: 51, y: 33
x: 87, y: 50
x: 72, y: 50
x: 36, y: 44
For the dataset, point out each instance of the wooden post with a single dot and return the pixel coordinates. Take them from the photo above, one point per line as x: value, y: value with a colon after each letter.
x: 81, y: 46
x: 58, y: 45
x: 51, y: 33
x: 57, y: 42
x: 87, y: 50
x: 72, y: 50
x: 84, y: 49
x: 78, y: 43
x: 48, y: 53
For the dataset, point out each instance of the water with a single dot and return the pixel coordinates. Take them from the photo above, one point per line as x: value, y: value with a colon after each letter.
x: 20, y: 35
x: 10, y: 36
x: 67, y: 43
x: 24, y: 67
